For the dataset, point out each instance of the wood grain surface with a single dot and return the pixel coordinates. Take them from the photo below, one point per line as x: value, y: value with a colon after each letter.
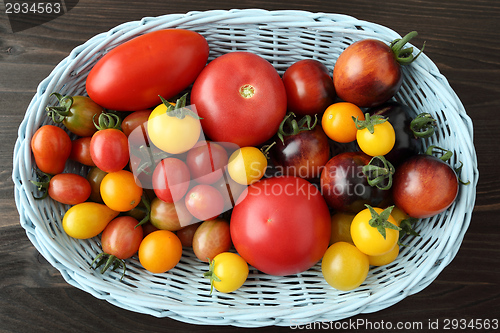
x: 461, y: 38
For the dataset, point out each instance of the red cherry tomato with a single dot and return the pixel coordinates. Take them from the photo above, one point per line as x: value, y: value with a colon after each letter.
x: 204, y: 202
x: 69, y: 188
x: 282, y: 226
x: 253, y: 103
x: 122, y: 237
x: 309, y: 87
x: 211, y: 238
x: 206, y: 162
x: 424, y: 186
x: 51, y: 147
x: 80, y: 151
x: 134, y: 120
x: 132, y: 75
x: 171, y: 179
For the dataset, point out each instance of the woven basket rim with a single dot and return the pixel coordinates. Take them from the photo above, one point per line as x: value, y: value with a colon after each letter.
x: 318, y: 302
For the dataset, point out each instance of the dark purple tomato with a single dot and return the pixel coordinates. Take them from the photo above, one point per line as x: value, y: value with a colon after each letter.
x: 345, y: 187
x: 303, y: 154
x: 309, y: 87
x: 424, y: 186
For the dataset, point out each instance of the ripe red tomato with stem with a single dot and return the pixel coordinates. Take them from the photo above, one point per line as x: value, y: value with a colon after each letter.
x: 120, y: 240
x: 51, y: 147
x: 309, y: 87
x: 66, y: 188
x: 132, y: 75
x: 241, y: 98
x: 425, y: 185
x: 109, y: 145
x: 77, y: 113
x: 368, y: 72
x: 282, y: 226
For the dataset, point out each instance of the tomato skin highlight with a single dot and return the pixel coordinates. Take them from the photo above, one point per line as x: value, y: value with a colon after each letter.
x: 424, y: 186
x: 51, y: 147
x: 69, y: 188
x: 241, y: 98
x: 367, y: 73
x: 118, y: 81
x: 282, y: 226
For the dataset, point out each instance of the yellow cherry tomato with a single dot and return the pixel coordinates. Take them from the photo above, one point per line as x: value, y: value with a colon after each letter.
x: 228, y: 272
x: 380, y: 142
x: 344, y: 266
x: 368, y: 239
x: 385, y: 258
x: 160, y: 251
x: 341, y: 227
x: 120, y: 192
x: 87, y: 219
x: 247, y: 165
x: 337, y: 121
x: 173, y: 131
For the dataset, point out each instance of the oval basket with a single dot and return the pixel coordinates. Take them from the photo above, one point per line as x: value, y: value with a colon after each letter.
x: 281, y: 37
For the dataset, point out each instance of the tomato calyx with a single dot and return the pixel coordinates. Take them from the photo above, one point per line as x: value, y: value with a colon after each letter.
x: 109, y: 260
x: 179, y: 110
x: 108, y: 120
x: 404, y: 56
x: 369, y: 122
x: 379, y: 172
x: 42, y: 184
x: 407, y: 229
x: 59, y: 113
x: 211, y: 274
x: 146, y: 210
x: 380, y: 221
x: 290, y: 126
x: 423, y: 126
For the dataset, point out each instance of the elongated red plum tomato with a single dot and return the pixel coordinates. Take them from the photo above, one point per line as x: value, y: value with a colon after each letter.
x: 131, y: 76
x: 424, y: 186
x: 241, y: 98
x: 69, y: 188
x: 309, y: 87
x: 51, y: 147
x: 368, y: 72
x: 282, y: 226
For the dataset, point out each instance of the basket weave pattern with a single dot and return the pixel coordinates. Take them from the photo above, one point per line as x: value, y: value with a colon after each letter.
x: 281, y: 37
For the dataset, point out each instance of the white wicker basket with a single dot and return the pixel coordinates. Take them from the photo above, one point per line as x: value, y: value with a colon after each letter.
x: 282, y: 37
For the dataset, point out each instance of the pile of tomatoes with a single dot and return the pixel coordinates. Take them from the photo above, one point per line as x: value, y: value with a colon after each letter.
x: 240, y: 164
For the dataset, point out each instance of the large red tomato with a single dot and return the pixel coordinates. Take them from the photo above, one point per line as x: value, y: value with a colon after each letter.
x: 282, y: 226
x: 131, y: 76
x: 241, y: 98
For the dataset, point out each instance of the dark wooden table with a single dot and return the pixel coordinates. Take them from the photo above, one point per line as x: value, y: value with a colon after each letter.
x: 462, y: 39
